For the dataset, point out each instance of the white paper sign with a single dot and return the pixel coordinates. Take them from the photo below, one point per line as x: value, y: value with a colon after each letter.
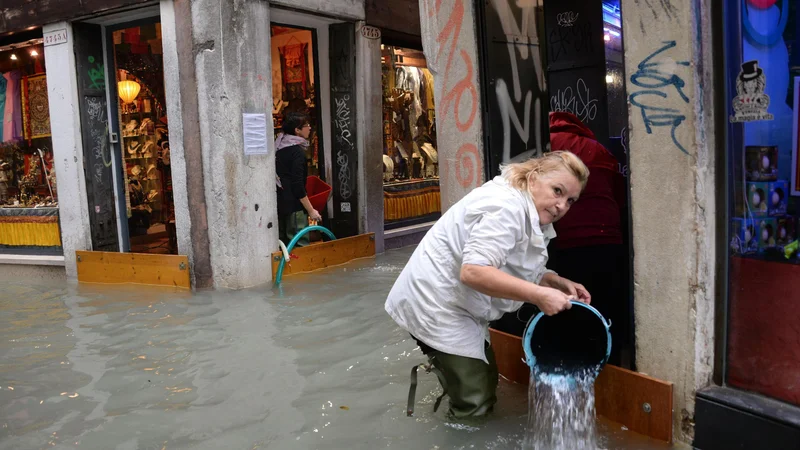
x: 255, y: 134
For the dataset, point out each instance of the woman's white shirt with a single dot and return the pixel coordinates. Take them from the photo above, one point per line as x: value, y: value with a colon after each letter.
x: 494, y: 225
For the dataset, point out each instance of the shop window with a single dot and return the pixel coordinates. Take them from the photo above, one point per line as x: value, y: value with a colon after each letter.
x: 762, y: 111
x: 410, y: 158
x: 29, y: 220
x: 144, y: 137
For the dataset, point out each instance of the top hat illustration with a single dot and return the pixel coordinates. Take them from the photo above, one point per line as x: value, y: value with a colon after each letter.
x: 750, y: 70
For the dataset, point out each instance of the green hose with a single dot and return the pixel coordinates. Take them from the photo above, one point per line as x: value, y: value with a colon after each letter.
x: 293, y: 242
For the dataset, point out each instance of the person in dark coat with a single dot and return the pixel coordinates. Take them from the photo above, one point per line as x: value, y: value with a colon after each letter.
x: 294, y: 208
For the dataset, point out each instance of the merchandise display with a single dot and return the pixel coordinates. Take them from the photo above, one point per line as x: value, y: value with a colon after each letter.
x: 410, y: 158
x: 29, y: 215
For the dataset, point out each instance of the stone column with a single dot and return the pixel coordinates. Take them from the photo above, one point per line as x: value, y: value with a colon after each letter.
x: 231, y: 55
x: 670, y: 90
x: 65, y: 127
x: 176, y: 87
x: 450, y: 44
x: 370, y: 137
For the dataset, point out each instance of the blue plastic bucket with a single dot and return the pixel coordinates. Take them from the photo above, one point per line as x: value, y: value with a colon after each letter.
x: 575, y: 341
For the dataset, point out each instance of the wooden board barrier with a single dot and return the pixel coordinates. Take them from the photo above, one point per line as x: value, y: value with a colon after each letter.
x: 326, y: 254
x: 134, y: 268
x: 620, y: 394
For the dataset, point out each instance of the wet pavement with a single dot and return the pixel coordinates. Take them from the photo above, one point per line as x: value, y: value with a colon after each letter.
x: 315, y: 365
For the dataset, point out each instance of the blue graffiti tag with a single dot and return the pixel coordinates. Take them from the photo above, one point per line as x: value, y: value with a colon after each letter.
x: 651, y: 75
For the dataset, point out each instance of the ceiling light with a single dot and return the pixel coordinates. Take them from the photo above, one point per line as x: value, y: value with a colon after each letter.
x: 34, y: 53
x: 607, y: 37
x: 609, y: 78
x: 13, y: 57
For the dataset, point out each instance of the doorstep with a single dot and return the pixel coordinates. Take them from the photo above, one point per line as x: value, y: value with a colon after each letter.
x: 728, y: 418
x: 403, y: 237
x: 33, y: 260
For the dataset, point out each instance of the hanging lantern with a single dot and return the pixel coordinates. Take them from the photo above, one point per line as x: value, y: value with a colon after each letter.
x: 128, y: 90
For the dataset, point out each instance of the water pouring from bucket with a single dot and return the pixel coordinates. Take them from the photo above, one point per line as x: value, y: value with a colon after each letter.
x: 565, y: 353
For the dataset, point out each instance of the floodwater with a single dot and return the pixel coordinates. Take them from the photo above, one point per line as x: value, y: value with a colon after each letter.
x: 318, y: 365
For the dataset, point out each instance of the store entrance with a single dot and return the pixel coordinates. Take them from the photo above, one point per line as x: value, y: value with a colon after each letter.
x: 295, y: 79
x: 147, y: 212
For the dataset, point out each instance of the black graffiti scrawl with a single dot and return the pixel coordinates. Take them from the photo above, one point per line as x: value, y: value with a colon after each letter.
x: 576, y: 62
x: 345, y: 151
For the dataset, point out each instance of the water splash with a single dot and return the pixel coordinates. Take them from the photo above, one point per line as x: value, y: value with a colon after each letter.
x: 561, y: 413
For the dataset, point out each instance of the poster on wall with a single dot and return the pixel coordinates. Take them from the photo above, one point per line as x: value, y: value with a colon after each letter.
x: 796, y: 138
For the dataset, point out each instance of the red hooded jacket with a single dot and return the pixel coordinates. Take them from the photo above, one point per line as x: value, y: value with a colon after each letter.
x: 595, y: 218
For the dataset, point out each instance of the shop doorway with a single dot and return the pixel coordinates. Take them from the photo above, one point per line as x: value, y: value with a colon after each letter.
x: 141, y: 145
x: 410, y: 159
x: 295, y: 83
x: 295, y: 78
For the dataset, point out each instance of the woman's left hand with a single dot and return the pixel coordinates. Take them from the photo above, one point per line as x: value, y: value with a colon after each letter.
x: 569, y: 287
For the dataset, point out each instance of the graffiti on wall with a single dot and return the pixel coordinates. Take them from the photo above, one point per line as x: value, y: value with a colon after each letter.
x: 656, y: 75
x: 459, y: 93
x: 520, y: 77
x: 579, y: 101
x: 343, y: 137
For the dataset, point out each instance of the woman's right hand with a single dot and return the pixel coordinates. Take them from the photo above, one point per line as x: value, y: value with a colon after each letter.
x: 552, y: 301
x: 314, y: 215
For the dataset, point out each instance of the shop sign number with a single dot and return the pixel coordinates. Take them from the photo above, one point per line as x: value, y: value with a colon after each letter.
x: 55, y: 37
x: 370, y: 32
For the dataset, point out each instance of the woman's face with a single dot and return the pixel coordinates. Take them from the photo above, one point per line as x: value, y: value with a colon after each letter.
x: 554, y: 193
x: 304, y: 132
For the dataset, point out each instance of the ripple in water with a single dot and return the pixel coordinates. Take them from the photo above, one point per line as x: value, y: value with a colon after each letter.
x: 561, y: 412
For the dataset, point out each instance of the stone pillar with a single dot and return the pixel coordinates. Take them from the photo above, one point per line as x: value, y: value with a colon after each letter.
x: 370, y: 137
x: 65, y: 127
x: 450, y: 45
x: 667, y: 45
x: 231, y: 55
x: 173, y: 86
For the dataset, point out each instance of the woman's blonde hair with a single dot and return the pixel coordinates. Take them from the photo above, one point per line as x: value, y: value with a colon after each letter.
x: 519, y: 174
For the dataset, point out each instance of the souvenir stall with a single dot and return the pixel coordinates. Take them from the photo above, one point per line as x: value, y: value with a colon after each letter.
x: 293, y: 84
x: 29, y: 220
x: 145, y: 140
x: 410, y: 160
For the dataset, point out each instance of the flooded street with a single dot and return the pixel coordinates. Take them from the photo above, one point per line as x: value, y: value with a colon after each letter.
x: 317, y: 365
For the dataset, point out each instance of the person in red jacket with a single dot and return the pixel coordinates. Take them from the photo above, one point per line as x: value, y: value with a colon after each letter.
x: 590, y: 245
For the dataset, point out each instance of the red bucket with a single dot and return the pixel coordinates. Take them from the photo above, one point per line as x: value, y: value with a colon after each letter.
x: 318, y: 192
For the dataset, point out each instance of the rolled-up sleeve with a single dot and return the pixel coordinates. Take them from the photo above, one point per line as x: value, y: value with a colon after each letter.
x: 542, y: 273
x: 494, y: 230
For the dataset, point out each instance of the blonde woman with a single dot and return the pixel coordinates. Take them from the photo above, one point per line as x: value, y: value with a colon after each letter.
x: 486, y: 256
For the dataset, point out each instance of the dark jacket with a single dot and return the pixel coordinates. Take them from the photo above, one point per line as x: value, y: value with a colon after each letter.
x: 595, y: 218
x: 290, y: 166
